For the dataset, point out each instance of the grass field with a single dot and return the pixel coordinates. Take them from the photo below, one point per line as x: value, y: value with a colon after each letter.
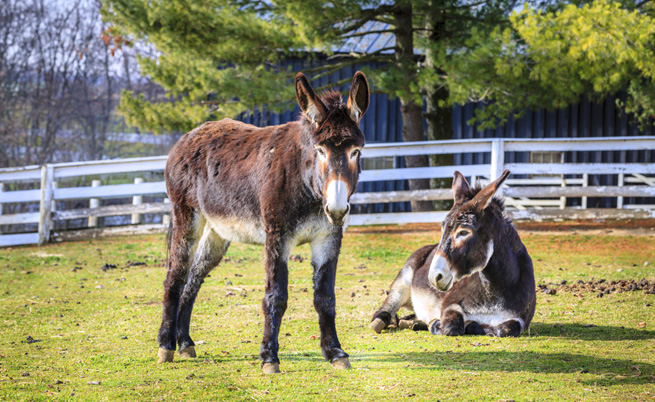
x: 71, y: 331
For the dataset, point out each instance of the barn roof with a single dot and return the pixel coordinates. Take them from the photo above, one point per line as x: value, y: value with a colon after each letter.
x: 371, y: 42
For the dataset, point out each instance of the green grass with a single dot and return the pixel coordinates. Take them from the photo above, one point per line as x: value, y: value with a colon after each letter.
x: 101, y: 327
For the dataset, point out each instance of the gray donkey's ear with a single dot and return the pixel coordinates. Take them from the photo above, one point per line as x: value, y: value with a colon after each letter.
x: 309, y: 103
x: 460, y: 188
x: 483, y: 198
x: 359, y: 97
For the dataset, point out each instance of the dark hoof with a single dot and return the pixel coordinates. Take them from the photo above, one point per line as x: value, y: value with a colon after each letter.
x: 452, y: 331
x: 341, y: 363
x: 271, y: 368
x: 405, y: 324
x: 513, y: 329
x: 377, y: 325
x: 165, y: 356
x: 419, y: 325
x: 188, y: 352
x: 473, y: 328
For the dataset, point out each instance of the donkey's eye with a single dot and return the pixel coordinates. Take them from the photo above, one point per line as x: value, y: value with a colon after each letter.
x: 320, y: 151
x: 354, y: 153
x: 462, y: 233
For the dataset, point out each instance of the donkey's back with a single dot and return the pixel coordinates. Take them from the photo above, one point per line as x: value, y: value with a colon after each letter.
x: 222, y: 165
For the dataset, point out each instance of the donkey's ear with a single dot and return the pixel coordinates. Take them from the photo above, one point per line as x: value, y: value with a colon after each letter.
x: 483, y: 198
x: 460, y: 188
x: 359, y: 97
x: 310, y: 104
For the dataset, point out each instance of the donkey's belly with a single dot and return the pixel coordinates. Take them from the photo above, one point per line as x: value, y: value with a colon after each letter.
x: 237, y: 230
x: 492, y: 316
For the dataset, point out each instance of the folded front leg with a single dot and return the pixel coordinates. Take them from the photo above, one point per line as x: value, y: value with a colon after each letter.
x: 452, y: 321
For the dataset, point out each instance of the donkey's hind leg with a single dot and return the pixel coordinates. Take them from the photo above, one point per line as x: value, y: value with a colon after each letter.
x: 181, y: 241
x: 399, y: 296
x: 211, y: 249
x: 512, y: 327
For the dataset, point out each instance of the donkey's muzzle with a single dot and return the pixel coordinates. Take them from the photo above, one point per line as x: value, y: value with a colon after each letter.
x: 338, y: 217
x: 336, y: 201
x: 439, y: 274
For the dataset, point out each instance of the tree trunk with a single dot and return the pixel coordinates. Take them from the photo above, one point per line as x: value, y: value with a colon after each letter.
x: 440, y: 127
x: 439, y: 113
x: 410, y: 110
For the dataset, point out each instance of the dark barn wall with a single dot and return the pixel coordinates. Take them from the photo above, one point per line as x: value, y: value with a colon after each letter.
x: 382, y: 123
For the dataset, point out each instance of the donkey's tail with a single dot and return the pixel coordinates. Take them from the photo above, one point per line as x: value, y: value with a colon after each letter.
x: 169, y: 232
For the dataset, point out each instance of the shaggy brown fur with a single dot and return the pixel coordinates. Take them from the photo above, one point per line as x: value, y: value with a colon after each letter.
x: 230, y: 181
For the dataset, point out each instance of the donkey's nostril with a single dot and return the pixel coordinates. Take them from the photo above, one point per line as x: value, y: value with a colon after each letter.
x: 439, y: 277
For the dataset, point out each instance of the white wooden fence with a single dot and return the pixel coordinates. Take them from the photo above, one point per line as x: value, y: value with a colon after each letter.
x: 542, y: 196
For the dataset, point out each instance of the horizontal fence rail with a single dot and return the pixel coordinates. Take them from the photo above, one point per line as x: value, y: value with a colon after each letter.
x: 535, y: 191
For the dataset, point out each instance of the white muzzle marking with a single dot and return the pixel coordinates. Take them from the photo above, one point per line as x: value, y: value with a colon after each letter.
x: 439, y: 274
x: 337, y: 205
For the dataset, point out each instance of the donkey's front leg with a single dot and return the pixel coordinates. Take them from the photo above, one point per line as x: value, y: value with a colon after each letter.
x: 325, y: 254
x: 275, y: 301
x: 452, y: 321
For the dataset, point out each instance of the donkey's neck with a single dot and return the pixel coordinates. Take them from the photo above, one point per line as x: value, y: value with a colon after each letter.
x: 502, y: 269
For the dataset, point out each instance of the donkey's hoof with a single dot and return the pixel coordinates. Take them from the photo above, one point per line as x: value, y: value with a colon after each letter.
x: 377, y: 325
x: 341, y: 363
x: 188, y: 352
x: 271, y: 368
x: 165, y: 355
x: 405, y: 324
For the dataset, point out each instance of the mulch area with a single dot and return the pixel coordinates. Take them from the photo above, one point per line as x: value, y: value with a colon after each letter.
x: 600, y: 287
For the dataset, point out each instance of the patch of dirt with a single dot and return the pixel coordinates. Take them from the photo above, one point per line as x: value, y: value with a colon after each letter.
x: 31, y: 340
x: 107, y: 267
x: 403, y: 228
x: 587, y: 224
x: 296, y: 258
x: 601, y: 287
x: 135, y: 263
x: 623, y: 227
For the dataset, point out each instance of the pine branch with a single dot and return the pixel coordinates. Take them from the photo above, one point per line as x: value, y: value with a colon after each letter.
x: 366, y: 16
x: 368, y: 33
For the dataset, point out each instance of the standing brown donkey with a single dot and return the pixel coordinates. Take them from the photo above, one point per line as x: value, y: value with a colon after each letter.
x: 278, y: 186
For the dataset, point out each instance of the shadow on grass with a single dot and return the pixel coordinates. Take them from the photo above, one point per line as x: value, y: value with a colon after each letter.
x: 589, y: 369
x: 589, y: 332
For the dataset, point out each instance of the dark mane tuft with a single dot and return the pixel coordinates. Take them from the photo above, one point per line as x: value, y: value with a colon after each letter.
x: 332, y: 99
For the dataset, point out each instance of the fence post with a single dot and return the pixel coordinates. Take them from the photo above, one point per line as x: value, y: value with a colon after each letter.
x: 94, y: 203
x: 45, y: 207
x: 619, y: 199
x: 137, y: 200
x: 2, y: 188
x: 166, y: 218
x: 497, y: 161
x: 585, y: 183
x: 562, y: 200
